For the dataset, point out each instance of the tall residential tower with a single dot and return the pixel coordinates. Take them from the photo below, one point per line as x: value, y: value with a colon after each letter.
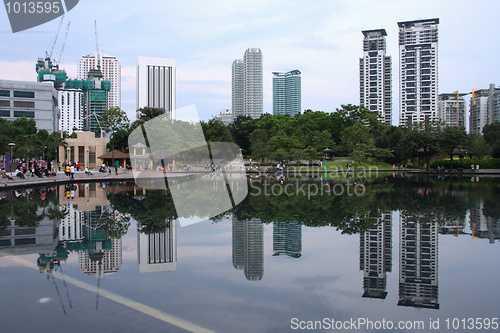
x: 375, y: 77
x: 418, y: 71
x: 247, y: 84
x: 111, y: 71
x: 287, y: 93
x: 484, y: 108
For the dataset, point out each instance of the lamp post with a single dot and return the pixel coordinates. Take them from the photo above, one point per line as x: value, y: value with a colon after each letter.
x: 43, y: 152
x: 87, y: 163
x: 68, y: 154
x: 11, y: 145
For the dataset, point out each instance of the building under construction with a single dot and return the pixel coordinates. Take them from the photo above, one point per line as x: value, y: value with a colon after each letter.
x: 82, y: 102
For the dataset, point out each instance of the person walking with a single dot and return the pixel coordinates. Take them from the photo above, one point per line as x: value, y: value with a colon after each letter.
x: 72, y: 171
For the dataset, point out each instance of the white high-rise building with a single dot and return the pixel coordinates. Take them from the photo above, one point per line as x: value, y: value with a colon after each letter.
x: 157, y: 252
x: 478, y: 111
x: 451, y: 109
x: 418, y: 262
x: 238, y: 79
x: 253, y: 88
x: 418, y: 71
x: 110, y: 68
x: 375, y: 257
x: 247, y: 85
x: 484, y: 108
x: 375, y: 76
x: 156, y: 84
x: 70, y: 104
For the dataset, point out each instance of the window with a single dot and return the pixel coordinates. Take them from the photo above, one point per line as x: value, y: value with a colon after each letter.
x: 27, y: 114
x: 4, y: 113
x: 5, y: 104
x: 4, y: 93
x: 25, y: 241
x: 139, y: 152
x: 23, y: 104
x: 24, y: 94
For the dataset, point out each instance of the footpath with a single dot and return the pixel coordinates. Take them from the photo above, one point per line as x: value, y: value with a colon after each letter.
x: 80, y: 176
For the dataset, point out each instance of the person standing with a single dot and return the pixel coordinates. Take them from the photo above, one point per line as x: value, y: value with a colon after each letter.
x: 72, y: 171
x: 67, y: 170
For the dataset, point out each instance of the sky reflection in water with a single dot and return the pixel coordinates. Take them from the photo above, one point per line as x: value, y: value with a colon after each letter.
x: 408, y: 249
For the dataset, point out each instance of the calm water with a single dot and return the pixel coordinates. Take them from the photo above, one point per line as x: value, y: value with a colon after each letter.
x: 409, y: 249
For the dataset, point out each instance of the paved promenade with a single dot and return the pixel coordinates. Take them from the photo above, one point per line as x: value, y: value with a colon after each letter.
x: 80, y: 176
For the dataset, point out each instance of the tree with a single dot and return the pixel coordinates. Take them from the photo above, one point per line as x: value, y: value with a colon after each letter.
x: 216, y: 131
x: 423, y: 140
x: 258, y: 143
x: 491, y: 133
x: 148, y: 113
x: 356, y: 134
x: 240, y: 129
x: 113, y: 120
x: 451, y: 138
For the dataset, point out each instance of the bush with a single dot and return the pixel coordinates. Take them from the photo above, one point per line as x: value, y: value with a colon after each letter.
x: 465, y: 163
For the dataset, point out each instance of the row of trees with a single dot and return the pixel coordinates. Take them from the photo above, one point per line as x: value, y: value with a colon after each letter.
x: 29, y: 142
x: 352, y: 131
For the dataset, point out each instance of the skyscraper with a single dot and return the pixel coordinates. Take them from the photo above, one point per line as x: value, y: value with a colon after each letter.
x: 418, y: 262
x: 451, y: 109
x: 375, y: 257
x: 156, y: 84
x: 157, y: 252
x: 111, y: 71
x: 484, y: 108
x: 237, y: 80
x: 247, y: 88
x: 95, y: 99
x: 418, y: 71
x: 375, y: 75
x: 287, y: 93
x: 287, y: 239
x: 248, y: 247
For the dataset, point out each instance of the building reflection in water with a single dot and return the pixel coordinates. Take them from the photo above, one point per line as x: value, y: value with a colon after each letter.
x: 375, y: 257
x: 19, y: 238
x: 157, y: 252
x: 482, y: 226
x: 452, y: 226
x: 418, y: 262
x: 287, y: 239
x: 248, y: 247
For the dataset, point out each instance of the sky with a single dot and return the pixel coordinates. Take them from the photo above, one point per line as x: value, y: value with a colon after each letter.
x: 320, y: 38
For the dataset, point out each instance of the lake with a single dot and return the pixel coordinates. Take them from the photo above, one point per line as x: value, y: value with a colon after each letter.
x: 397, y: 252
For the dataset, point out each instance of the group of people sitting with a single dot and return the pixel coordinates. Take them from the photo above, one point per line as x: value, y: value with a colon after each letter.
x: 30, y: 169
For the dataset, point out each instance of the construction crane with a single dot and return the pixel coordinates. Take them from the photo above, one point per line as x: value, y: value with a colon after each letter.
x: 47, y: 54
x: 97, y: 47
x: 59, y: 58
x: 93, y: 113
